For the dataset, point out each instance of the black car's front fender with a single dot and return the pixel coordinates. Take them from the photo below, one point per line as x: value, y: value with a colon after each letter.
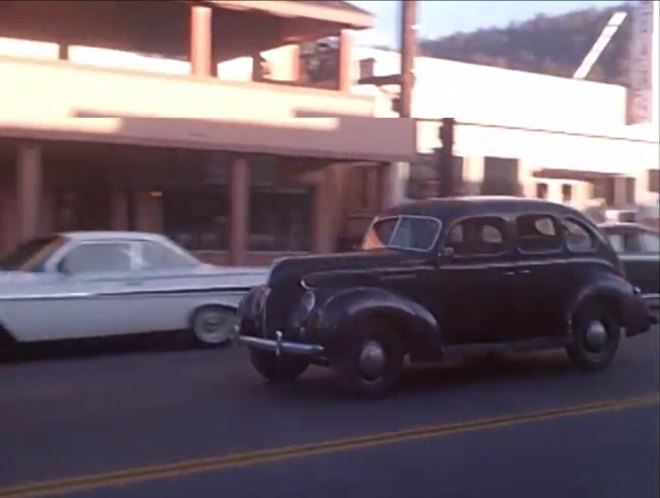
x: 335, y: 322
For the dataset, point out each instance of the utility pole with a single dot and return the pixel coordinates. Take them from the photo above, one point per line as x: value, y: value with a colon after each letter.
x: 408, y: 49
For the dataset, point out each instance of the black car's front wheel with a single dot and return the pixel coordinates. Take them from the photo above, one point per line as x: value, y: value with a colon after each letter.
x: 277, y: 369
x: 371, y: 364
x: 595, y: 337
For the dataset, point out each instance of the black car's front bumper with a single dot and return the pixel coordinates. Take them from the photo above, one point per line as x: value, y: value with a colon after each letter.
x: 278, y: 346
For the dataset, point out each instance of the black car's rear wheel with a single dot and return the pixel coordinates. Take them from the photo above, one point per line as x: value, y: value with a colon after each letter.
x: 595, y: 339
x: 371, y: 364
x: 277, y: 369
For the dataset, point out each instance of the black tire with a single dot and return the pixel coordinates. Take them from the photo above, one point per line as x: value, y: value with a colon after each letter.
x: 589, y: 357
x: 277, y: 369
x: 212, y: 326
x: 381, y: 381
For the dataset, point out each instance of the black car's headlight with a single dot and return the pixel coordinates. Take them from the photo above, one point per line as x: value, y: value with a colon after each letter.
x: 308, y: 301
x: 303, y: 309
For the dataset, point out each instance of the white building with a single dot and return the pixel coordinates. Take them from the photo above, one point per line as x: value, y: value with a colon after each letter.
x: 523, y: 133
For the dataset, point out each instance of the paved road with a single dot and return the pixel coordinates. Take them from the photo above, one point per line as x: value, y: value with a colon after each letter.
x: 208, y: 413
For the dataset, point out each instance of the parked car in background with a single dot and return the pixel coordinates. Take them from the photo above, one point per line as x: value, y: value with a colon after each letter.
x: 441, y: 277
x: 98, y: 284
x: 639, y: 251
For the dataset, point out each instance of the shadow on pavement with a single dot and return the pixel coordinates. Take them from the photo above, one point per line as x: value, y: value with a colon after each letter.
x: 98, y: 347
x: 457, y: 375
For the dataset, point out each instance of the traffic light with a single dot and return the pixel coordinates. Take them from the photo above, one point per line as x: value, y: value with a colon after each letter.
x: 445, y: 159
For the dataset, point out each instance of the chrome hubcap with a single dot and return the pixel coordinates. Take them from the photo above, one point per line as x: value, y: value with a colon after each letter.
x: 596, y: 335
x: 213, y: 326
x: 372, y: 359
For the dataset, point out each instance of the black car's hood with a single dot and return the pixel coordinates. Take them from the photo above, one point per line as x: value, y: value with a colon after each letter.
x: 299, y: 267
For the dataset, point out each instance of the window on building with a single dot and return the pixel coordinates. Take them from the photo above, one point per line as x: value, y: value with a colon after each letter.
x: 195, y: 199
x: 578, y: 237
x: 541, y: 190
x: 537, y: 233
x: 481, y: 236
x: 654, y: 181
x: 318, y: 61
x: 197, y: 218
x: 98, y: 257
x: 280, y: 209
x: 566, y: 192
x: 500, y: 176
x: 425, y: 179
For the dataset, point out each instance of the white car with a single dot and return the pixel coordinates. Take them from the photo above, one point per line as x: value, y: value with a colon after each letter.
x: 99, y: 284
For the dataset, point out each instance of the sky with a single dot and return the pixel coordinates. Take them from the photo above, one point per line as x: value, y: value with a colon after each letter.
x: 440, y: 18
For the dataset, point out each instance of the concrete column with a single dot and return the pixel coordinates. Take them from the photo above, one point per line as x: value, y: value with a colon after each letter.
x: 620, y: 192
x: 8, y: 220
x: 295, y: 63
x: 200, y: 40
x: 239, y: 211
x: 28, y: 190
x: 259, y: 67
x: 119, y: 210
x: 344, y: 61
x: 392, y: 187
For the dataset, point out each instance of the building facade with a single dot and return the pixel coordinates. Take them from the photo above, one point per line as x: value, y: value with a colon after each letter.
x: 112, y: 121
x: 520, y: 133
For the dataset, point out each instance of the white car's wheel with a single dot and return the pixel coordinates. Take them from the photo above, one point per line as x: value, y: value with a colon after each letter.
x: 213, y: 326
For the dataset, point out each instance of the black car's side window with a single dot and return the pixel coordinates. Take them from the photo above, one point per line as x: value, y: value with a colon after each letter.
x: 483, y: 236
x: 538, y: 233
x: 578, y: 238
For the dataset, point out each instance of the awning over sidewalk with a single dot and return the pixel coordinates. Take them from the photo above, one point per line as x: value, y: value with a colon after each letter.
x: 342, y: 139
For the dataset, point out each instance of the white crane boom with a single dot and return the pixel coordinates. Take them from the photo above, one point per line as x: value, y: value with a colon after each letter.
x: 605, y: 37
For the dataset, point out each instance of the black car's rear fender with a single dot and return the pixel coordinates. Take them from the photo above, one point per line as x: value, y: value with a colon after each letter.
x: 619, y: 296
x: 337, y: 320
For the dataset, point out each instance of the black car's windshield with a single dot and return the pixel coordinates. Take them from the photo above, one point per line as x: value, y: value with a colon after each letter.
x: 417, y: 233
x: 32, y: 255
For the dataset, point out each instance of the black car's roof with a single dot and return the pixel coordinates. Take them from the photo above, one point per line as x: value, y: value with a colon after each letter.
x: 456, y: 207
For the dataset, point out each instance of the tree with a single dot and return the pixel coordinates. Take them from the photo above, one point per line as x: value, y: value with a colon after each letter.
x: 554, y: 45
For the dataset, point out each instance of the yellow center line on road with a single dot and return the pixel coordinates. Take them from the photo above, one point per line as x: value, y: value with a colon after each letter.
x: 250, y: 458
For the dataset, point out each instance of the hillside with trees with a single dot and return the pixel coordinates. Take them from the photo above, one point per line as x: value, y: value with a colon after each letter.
x: 552, y: 45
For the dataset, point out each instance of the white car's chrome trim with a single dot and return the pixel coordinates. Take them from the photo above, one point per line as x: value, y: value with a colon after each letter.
x: 128, y: 292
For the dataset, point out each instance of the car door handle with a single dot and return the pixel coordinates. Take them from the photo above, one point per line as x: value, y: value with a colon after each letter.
x: 524, y: 272
x: 134, y: 283
x: 509, y: 273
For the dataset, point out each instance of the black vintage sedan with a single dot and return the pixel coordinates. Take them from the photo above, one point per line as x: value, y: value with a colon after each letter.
x: 639, y: 251
x: 441, y: 277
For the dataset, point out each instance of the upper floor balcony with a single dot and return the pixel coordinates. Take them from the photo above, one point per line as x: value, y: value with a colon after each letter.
x: 210, y: 42
x: 203, y: 62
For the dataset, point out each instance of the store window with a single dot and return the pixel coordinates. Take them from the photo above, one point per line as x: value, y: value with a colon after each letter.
x: 500, y: 176
x: 654, y: 181
x: 566, y: 192
x: 196, y: 213
x: 280, y: 207
x: 541, y: 190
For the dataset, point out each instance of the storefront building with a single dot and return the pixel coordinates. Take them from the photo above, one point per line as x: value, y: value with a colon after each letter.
x: 112, y: 121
